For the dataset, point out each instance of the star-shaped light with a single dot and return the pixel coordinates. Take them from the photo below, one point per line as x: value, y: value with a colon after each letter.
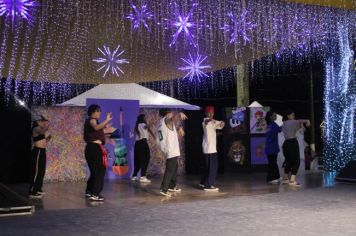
x: 16, y: 8
x: 238, y: 28
x: 140, y: 16
x: 194, y: 67
x: 111, y: 60
x: 184, y: 24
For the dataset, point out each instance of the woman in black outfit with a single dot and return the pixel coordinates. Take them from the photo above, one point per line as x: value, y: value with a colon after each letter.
x: 40, y: 138
x: 141, y: 149
x: 94, y: 152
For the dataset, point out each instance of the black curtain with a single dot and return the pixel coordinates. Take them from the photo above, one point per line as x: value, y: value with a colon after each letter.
x: 15, y: 143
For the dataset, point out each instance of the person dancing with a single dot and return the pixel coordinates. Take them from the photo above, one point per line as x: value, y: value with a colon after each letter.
x: 141, y: 149
x: 95, y: 153
x: 169, y: 144
x: 291, y: 147
x: 40, y: 138
x: 272, y: 148
x: 210, y: 125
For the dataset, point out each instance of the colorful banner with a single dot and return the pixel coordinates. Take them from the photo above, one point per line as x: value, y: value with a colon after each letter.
x: 258, y: 123
x: 120, y: 138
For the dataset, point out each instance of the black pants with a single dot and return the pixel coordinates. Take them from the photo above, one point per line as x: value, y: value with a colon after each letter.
x: 273, y: 170
x: 210, y: 169
x: 93, y: 155
x: 170, y: 174
x: 38, y: 169
x: 141, y: 157
x: 292, y: 157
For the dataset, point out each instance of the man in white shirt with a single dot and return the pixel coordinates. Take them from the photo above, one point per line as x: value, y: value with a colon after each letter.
x: 169, y: 144
x: 209, y: 149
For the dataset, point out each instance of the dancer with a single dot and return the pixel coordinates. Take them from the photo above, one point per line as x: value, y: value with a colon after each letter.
x: 168, y: 140
x: 272, y: 148
x: 40, y: 138
x: 141, y: 149
x: 209, y: 149
x: 291, y: 147
x: 95, y: 153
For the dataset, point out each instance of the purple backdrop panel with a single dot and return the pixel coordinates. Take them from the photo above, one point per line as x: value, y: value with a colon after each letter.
x: 258, y: 156
x: 120, y: 138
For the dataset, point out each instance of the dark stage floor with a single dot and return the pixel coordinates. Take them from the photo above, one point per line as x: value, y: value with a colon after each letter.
x: 246, y: 205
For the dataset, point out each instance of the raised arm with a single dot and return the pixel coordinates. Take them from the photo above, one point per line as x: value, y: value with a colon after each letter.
x: 102, y: 125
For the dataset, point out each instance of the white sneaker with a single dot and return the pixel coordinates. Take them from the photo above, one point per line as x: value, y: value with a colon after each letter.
x: 175, y: 189
x: 135, y: 178
x: 144, y: 180
x: 211, y: 189
x: 166, y: 194
x: 276, y: 181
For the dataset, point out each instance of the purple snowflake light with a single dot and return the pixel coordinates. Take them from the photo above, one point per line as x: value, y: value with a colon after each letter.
x: 184, y: 24
x: 16, y: 8
x: 238, y: 28
x: 111, y: 60
x: 140, y: 16
x: 194, y: 67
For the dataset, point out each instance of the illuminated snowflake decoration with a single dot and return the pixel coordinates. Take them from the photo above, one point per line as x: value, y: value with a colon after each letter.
x: 111, y: 60
x: 239, y: 28
x: 184, y: 24
x: 140, y: 16
x: 16, y: 8
x: 194, y: 67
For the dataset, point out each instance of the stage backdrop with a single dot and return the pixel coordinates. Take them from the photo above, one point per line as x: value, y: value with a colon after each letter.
x: 65, y: 152
x: 120, y: 137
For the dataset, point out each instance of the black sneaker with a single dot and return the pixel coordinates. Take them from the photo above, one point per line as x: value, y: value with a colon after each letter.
x: 87, y: 194
x: 96, y: 198
x: 35, y: 196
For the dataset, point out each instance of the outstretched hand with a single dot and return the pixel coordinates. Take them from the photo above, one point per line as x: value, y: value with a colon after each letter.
x: 182, y: 116
x: 109, y: 116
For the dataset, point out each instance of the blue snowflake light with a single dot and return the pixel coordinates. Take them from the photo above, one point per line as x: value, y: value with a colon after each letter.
x: 238, y: 28
x: 111, y: 60
x: 183, y: 23
x: 140, y: 16
x: 16, y: 8
x: 194, y: 67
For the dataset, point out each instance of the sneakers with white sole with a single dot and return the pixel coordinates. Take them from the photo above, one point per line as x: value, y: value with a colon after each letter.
x: 144, y: 180
x: 166, y: 194
x: 211, y: 189
x: 175, y: 190
x: 96, y: 198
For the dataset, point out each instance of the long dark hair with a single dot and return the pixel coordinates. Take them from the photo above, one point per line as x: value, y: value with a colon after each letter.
x: 140, y: 119
x: 268, y: 117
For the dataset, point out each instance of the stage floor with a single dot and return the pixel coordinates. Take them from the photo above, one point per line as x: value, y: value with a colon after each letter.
x: 125, y: 192
x: 245, y: 206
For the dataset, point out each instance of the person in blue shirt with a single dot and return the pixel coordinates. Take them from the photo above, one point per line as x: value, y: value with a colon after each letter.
x: 272, y: 148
